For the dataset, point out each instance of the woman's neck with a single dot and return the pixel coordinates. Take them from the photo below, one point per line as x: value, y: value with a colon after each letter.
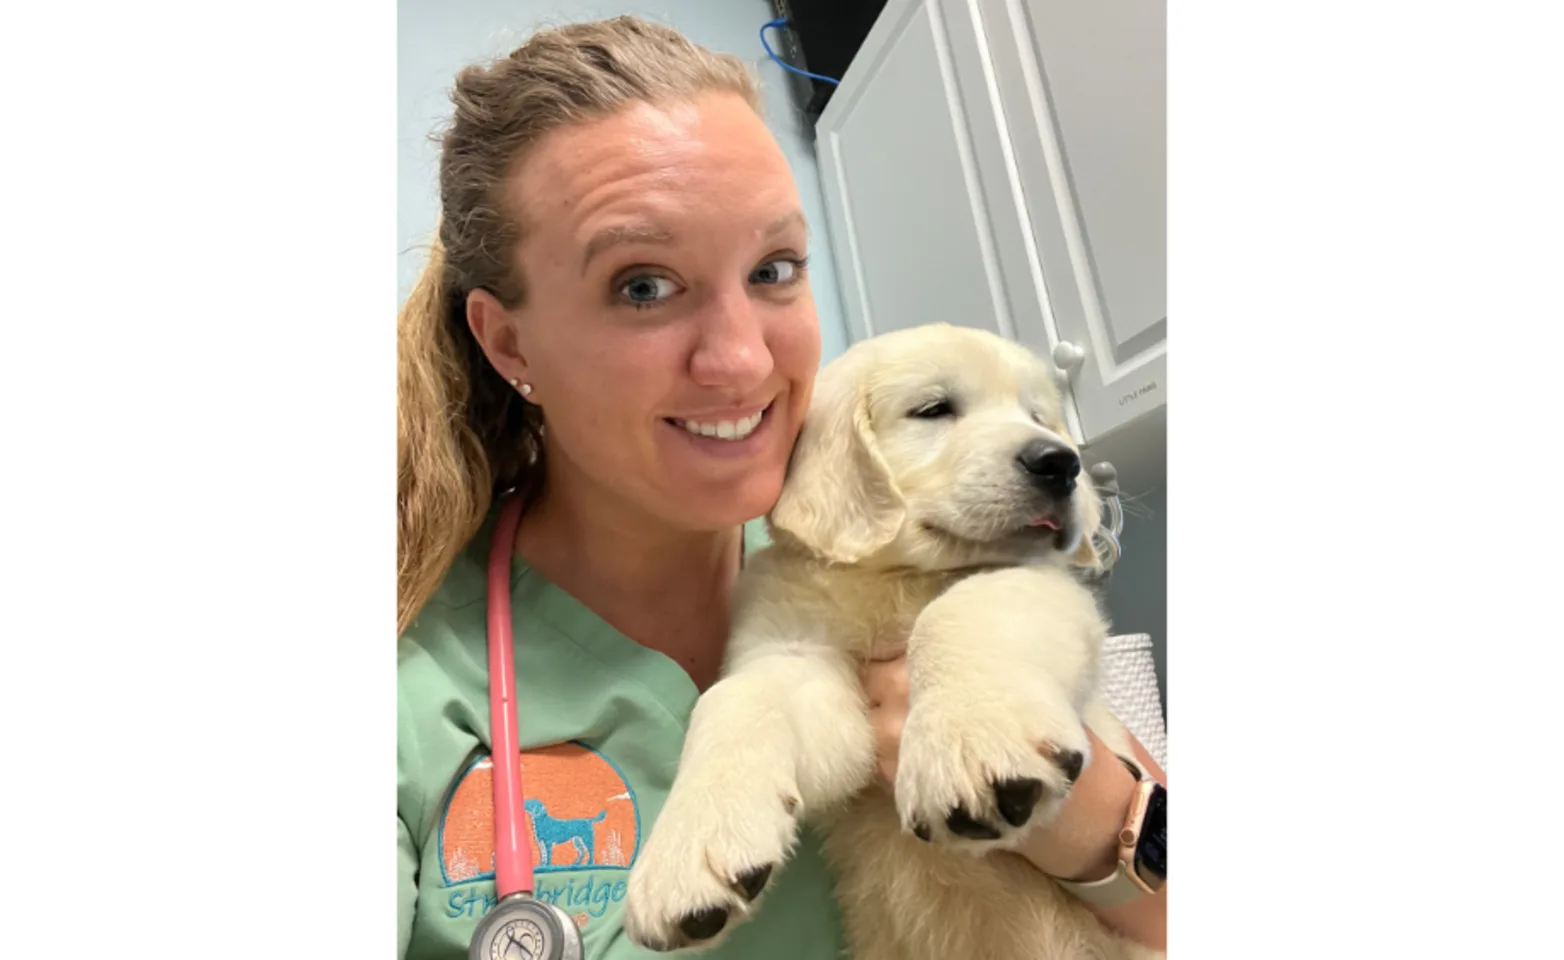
x: 665, y: 588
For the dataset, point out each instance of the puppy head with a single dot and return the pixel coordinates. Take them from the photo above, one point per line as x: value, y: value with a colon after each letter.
x: 938, y: 447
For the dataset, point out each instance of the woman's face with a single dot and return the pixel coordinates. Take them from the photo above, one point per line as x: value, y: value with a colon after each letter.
x: 668, y: 333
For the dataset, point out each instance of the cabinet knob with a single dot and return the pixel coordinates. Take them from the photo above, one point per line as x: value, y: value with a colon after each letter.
x: 1105, y: 478
x: 1067, y: 356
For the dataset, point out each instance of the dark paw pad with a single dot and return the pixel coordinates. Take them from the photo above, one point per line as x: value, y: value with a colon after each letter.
x: 1016, y: 798
x: 962, y: 824
x: 753, y: 881
x: 1070, y: 761
x: 704, y: 924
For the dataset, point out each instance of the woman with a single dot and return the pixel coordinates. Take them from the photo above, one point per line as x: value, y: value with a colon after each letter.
x: 616, y: 320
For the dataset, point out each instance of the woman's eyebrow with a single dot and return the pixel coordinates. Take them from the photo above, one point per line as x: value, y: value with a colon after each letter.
x: 628, y: 233
x: 609, y: 237
x: 785, y: 222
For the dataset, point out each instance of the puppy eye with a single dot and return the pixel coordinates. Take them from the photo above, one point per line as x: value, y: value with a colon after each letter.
x: 1049, y: 420
x: 933, y: 410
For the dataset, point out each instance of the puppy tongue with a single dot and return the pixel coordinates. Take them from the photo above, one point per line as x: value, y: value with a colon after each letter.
x: 1048, y: 522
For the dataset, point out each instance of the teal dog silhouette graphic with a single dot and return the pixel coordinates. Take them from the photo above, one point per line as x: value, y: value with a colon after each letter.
x: 551, y: 831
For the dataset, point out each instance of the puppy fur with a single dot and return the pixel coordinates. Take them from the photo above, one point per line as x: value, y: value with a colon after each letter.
x: 920, y: 508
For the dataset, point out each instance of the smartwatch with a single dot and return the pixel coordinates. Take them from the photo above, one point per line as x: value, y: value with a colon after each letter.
x: 1142, y: 865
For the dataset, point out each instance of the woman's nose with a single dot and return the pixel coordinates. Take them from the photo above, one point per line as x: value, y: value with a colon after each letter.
x: 731, y: 353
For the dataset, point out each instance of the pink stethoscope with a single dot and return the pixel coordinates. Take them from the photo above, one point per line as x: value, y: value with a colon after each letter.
x: 520, y: 926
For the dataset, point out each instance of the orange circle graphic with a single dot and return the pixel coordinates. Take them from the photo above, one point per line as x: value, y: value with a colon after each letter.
x: 580, y: 815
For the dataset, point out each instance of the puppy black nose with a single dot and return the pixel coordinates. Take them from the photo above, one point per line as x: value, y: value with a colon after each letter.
x: 1053, y: 468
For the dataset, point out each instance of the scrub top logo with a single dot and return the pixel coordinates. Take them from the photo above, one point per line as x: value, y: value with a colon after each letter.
x: 580, y: 815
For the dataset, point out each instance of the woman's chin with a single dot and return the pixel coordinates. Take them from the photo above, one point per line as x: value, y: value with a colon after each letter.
x: 737, y: 502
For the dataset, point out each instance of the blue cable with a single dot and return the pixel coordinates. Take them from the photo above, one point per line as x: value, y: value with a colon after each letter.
x: 780, y: 22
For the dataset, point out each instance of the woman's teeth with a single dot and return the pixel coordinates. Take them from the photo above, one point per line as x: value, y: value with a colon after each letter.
x: 723, y: 429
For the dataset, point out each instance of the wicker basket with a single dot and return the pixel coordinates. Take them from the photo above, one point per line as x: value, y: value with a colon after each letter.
x: 1129, y: 678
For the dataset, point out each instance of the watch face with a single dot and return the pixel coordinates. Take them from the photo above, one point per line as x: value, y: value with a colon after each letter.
x: 1151, y: 853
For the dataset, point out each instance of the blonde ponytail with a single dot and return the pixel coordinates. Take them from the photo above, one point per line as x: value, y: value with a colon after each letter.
x: 442, y: 485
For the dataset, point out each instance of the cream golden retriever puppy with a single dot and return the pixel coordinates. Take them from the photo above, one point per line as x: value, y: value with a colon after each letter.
x: 932, y: 499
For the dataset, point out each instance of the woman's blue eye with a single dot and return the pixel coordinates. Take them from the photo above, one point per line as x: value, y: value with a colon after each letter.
x: 647, y: 290
x: 777, y: 272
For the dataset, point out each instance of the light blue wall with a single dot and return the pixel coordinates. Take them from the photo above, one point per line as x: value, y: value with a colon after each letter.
x: 436, y: 38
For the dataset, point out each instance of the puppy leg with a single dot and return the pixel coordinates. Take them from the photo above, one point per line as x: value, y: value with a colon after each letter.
x: 786, y: 732
x: 1001, y: 667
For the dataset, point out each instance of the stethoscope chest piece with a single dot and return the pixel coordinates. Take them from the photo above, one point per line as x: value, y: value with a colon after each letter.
x: 523, y: 928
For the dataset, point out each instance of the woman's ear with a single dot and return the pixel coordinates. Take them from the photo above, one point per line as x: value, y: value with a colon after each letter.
x: 495, y: 329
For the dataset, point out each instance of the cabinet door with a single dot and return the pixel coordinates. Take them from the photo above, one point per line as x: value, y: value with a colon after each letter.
x: 1083, y: 86
x: 922, y: 192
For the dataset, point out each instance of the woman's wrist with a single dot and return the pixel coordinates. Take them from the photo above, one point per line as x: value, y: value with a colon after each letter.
x: 1081, y: 844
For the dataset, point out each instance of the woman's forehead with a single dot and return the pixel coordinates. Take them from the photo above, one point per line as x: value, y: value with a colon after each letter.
x: 652, y: 172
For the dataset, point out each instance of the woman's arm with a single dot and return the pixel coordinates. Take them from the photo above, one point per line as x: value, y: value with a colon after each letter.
x: 1082, y: 842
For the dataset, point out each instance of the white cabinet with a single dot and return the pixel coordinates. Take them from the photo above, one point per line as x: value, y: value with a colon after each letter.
x: 1002, y: 164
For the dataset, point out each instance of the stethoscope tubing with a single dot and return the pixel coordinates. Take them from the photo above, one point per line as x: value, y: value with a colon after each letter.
x: 512, y: 848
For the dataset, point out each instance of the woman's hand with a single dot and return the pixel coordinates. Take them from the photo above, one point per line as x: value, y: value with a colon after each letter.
x: 885, y: 684
x: 1081, y: 843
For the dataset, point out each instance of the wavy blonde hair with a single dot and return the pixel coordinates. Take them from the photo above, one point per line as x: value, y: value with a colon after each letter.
x: 463, y: 434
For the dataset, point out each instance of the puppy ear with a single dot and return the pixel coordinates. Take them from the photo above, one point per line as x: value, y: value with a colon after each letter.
x: 1086, y: 555
x: 839, y: 499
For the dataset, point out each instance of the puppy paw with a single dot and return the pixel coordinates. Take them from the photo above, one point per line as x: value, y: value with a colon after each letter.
x: 704, y: 867
x: 978, y: 774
